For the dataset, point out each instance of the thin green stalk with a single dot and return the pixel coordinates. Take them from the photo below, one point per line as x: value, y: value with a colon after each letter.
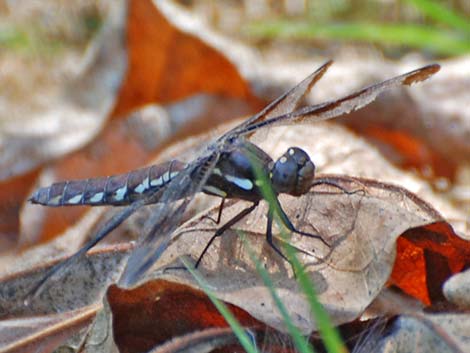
x: 417, y: 36
x: 441, y: 14
x: 237, y: 328
x: 300, y: 342
x: 329, y: 334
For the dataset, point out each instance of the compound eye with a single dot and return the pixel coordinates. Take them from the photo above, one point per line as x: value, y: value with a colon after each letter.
x: 293, y: 172
x: 284, y: 175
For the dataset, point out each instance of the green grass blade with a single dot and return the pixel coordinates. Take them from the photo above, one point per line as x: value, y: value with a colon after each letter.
x: 416, y: 36
x: 239, y: 331
x: 329, y: 334
x: 301, y: 344
x: 441, y: 14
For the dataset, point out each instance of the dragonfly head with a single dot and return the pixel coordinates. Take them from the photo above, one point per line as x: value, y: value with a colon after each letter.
x: 293, y: 172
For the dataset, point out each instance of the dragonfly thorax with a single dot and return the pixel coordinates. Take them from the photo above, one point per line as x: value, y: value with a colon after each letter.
x: 293, y: 172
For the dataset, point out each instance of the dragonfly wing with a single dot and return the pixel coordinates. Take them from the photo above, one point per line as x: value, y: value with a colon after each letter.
x: 347, y: 104
x: 166, y: 218
x: 58, y: 269
x: 286, y: 103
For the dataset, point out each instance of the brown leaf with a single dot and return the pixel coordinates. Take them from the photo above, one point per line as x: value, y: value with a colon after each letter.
x: 158, y: 311
x: 72, y: 112
x: 99, y: 337
x: 409, y: 151
x: 41, y: 334
x: 51, y: 132
x: 83, y: 284
x: 165, y: 64
x: 427, y: 257
x: 204, y: 340
x: 431, y: 333
x: 427, y: 126
x: 362, y: 229
x: 13, y: 193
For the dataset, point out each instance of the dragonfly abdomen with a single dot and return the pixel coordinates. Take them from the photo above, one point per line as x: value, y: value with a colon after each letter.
x: 116, y: 190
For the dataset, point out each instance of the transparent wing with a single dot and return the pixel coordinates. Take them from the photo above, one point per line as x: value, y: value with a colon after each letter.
x: 167, y: 214
x: 61, y: 267
x: 285, y: 103
x: 166, y: 218
x: 343, y: 105
x: 163, y: 221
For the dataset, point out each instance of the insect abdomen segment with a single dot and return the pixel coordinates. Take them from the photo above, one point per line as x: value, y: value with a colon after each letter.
x: 116, y: 190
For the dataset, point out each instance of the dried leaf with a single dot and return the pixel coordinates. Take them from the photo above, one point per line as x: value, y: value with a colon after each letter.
x: 361, y: 227
x: 53, y: 132
x: 44, y: 333
x: 410, y: 151
x: 74, y: 113
x: 13, y: 193
x: 166, y: 64
x: 425, y: 128
x: 100, y: 338
x: 457, y: 290
x: 431, y: 333
x: 200, y: 341
x: 158, y: 311
x: 427, y: 257
x: 84, y: 285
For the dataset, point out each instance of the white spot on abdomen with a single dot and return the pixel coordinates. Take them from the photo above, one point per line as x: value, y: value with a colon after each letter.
x: 142, y: 186
x: 98, y: 197
x: 75, y: 200
x: 120, y: 193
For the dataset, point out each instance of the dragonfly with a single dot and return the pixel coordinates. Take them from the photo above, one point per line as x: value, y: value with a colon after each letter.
x: 225, y: 168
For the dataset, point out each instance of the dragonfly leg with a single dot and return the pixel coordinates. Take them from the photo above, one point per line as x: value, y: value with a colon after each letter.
x: 288, y: 224
x: 269, y: 235
x: 225, y: 227
x: 331, y: 182
x: 218, y: 232
x: 219, y: 214
x: 270, y: 241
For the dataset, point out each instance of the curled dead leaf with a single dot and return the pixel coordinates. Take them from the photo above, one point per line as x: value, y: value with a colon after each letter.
x: 362, y: 227
x: 159, y: 311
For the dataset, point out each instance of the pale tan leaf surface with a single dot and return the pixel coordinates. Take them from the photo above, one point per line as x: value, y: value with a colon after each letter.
x: 19, y: 259
x: 369, y: 222
x: 100, y: 338
x: 83, y: 284
x: 71, y: 114
x: 43, y: 333
x: 361, y: 228
x: 336, y: 150
x: 457, y: 289
x: 438, y: 333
